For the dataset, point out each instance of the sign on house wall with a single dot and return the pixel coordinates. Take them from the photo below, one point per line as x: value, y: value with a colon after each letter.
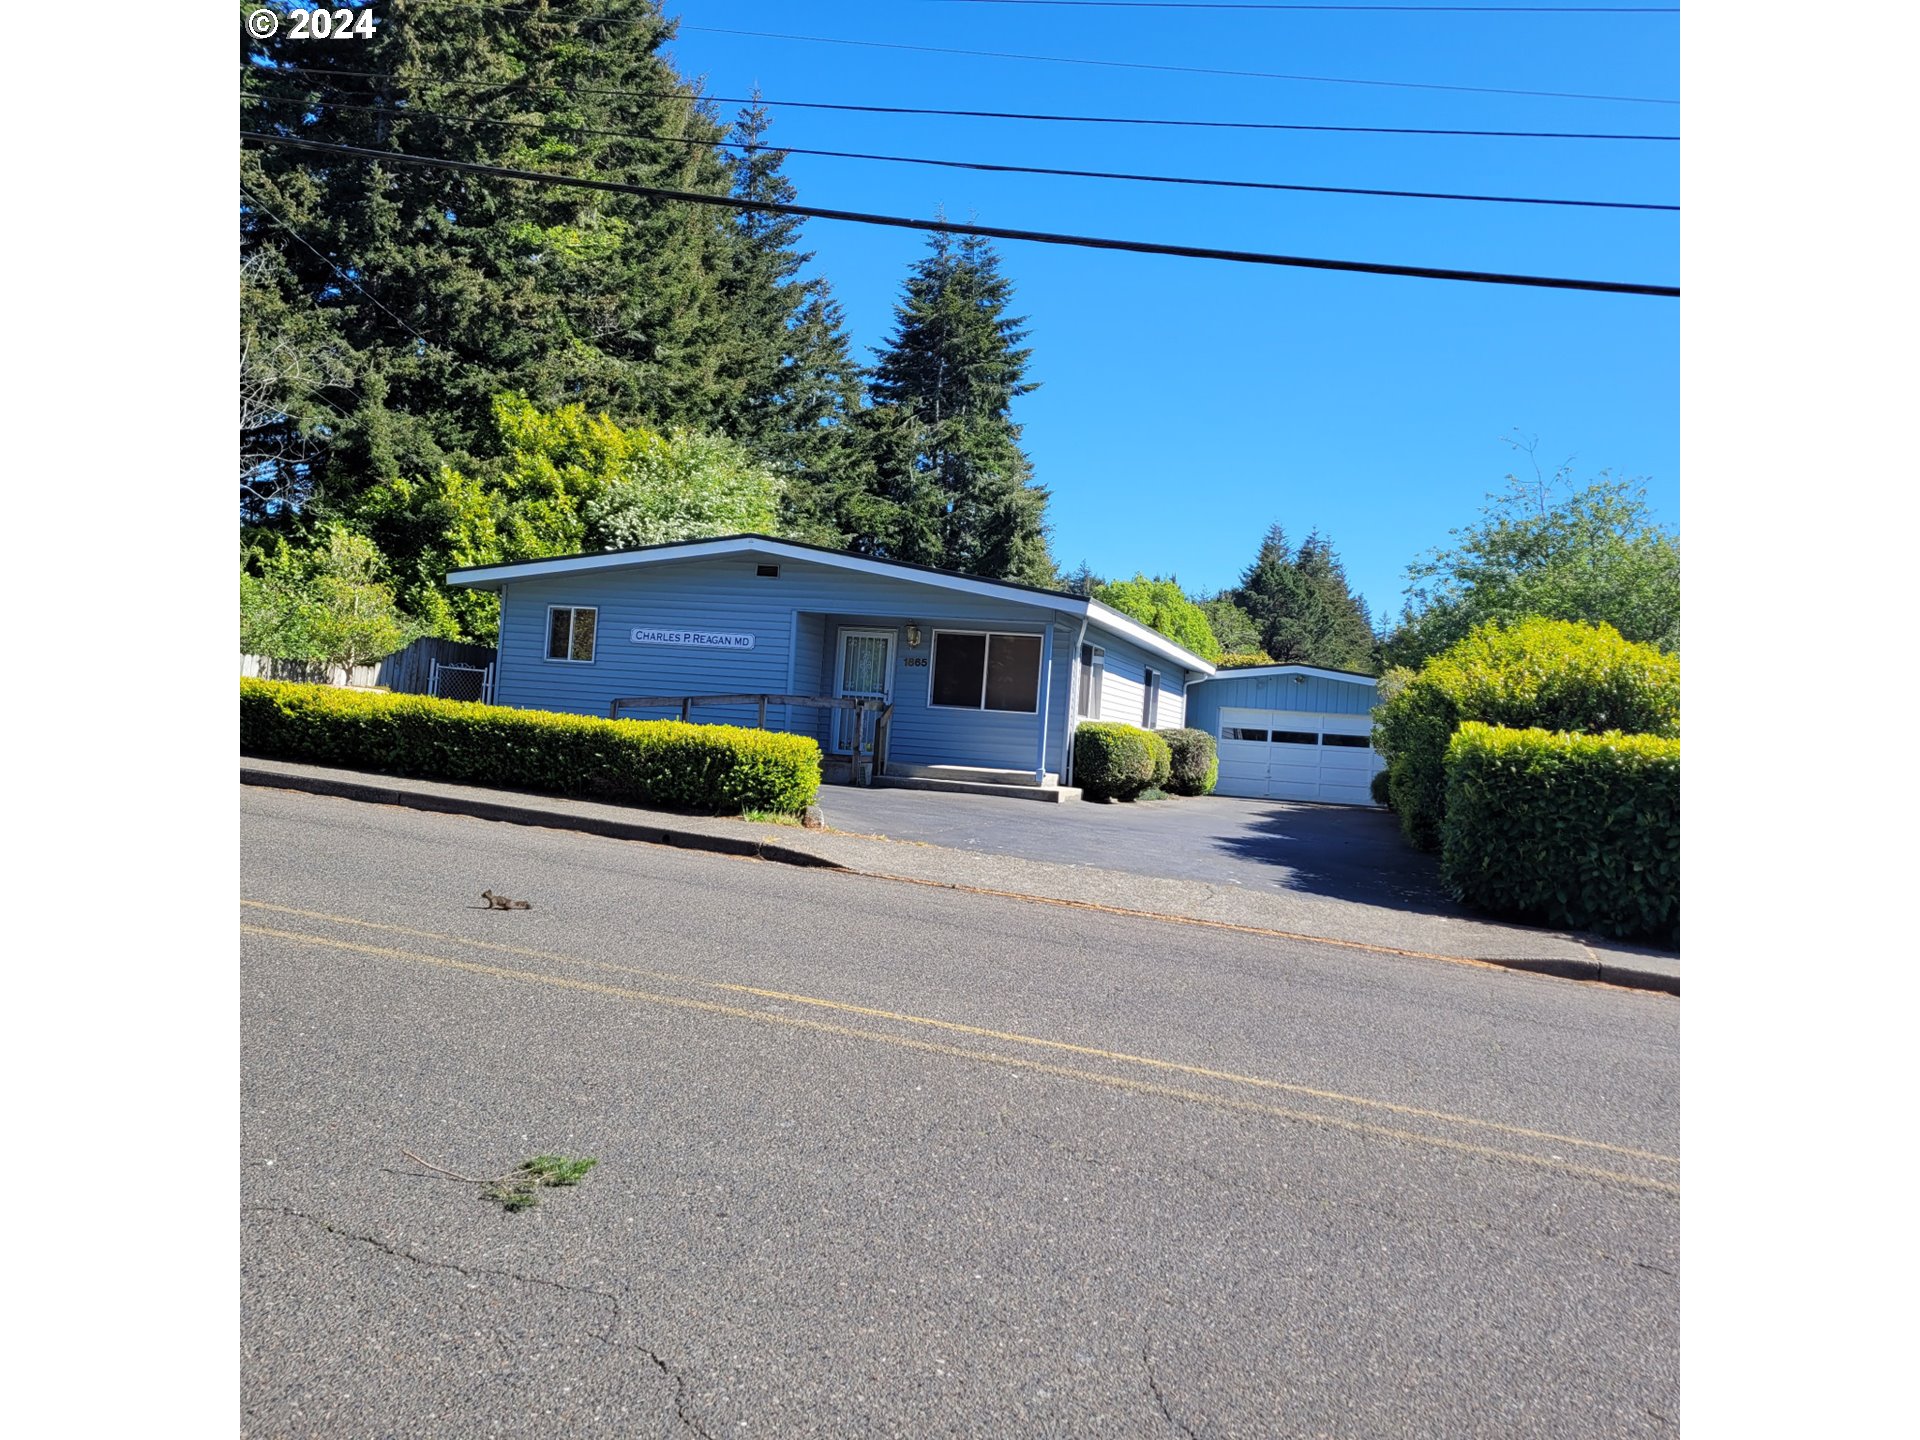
x: 697, y: 639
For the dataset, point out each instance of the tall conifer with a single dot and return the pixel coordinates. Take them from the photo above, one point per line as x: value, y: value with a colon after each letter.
x: 944, y: 387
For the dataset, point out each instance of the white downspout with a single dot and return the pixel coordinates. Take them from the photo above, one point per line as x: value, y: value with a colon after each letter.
x: 1073, y: 703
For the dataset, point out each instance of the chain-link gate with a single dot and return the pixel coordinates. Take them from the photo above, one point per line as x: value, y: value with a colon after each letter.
x: 461, y: 682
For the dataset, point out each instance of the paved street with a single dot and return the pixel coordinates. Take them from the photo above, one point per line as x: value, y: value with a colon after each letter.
x: 883, y: 1159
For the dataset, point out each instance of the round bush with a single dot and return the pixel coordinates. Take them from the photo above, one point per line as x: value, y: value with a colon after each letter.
x: 1112, y: 761
x: 1381, y: 789
x: 1162, y: 760
x: 1548, y: 674
x: 1196, y: 762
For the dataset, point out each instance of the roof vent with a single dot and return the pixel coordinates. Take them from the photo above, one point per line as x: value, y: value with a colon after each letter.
x: 771, y: 572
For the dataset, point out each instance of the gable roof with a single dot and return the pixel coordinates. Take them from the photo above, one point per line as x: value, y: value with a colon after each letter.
x: 492, y: 577
x: 1256, y: 671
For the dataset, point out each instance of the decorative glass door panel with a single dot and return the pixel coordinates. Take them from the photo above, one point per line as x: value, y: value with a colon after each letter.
x: 866, y: 669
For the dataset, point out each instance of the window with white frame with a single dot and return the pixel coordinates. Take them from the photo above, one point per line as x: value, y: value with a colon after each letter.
x: 570, y: 632
x: 1150, y: 706
x: 976, y: 671
x: 1093, y: 670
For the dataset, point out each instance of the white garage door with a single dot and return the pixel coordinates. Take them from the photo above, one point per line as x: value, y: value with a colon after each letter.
x: 1297, y: 755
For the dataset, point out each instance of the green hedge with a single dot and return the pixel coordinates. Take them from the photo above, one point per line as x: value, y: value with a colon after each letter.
x: 1112, y: 761
x: 714, y: 768
x: 1162, y: 754
x: 1381, y: 789
x: 1575, y: 830
x: 1196, y: 762
x: 1552, y: 674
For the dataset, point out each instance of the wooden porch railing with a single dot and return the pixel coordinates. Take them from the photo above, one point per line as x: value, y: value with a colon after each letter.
x: 867, y: 761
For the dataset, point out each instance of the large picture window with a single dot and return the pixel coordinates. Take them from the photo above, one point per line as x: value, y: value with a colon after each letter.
x: 986, y: 672
x: 570, y: 632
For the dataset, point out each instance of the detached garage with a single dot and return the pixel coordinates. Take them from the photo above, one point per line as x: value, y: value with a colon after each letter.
x: 1290, y: 732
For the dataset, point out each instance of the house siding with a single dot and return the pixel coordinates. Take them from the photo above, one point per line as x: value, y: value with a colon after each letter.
x: 1123, y: 693
x: 795, y: 620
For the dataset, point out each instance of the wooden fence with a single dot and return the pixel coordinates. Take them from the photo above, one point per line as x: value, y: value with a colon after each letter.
x: 404, y: 672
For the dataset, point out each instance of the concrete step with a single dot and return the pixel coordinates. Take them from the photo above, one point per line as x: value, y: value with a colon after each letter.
x: 977, y: 774
x: 1052, y: 794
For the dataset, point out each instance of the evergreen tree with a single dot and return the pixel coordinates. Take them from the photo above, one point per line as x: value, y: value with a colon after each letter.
x: 787, y: 383
x: 1304, y: 610
x: 963, y: 494
x: 448, y: 290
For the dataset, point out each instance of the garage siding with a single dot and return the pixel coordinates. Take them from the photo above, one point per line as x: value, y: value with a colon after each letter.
x: 1290, y: 735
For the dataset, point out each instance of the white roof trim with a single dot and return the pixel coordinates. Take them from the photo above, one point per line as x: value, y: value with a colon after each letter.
x: 488, y: 576
x: 1256, y: 670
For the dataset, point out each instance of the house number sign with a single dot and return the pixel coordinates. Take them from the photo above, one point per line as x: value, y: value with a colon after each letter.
x: 697, y: 639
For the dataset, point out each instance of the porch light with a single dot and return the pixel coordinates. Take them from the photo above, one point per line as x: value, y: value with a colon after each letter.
x: 913, y: 636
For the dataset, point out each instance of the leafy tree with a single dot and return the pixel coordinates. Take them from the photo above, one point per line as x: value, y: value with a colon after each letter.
x: 1303, y: 607
x: 558, y: 482
x: 1233, y: 627
x: 1594, y: 555
x: 955, y: 487
x: 1244, y: 659
x: 682, y: 486
x: 1163, y: 606
x: 294, y: 380
x: 328, y: 604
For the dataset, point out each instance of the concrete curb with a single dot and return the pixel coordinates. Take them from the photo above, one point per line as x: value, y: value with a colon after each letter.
x: 649, y: 832
x: 657, y: 832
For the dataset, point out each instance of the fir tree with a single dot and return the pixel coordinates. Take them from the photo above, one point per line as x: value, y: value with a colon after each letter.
x: 1302, y: 606
x: 447, y: 290
x: 945, y: 386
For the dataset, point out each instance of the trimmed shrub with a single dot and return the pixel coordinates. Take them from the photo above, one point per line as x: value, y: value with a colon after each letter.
x: 1575, y: 830
x: 721, y: 769
x: 1552, y: 674
x: 1112, y: 761
x: 1381, y: 789
x: 1196, y: 762
x: 1243, y: 660
x: 1162, y: 760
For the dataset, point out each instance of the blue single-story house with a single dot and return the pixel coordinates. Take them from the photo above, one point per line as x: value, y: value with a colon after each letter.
x: 1291, y: 732
x: 982, y: 675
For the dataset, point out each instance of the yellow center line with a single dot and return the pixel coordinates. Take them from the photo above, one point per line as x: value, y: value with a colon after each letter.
x: 906, y: 1042
x: 956, y: 1027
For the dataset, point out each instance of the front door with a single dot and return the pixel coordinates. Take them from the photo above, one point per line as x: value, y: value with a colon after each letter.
x: 865, y: 669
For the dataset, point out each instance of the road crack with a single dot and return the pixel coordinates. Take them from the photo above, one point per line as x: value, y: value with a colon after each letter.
x: 1159, y: 1396
x: 471, y: 1271
x: 605, y: 1337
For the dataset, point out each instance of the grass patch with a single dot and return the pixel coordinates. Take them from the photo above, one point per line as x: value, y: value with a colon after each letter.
x: 520, y: 1187
x: 771, y: 817
x: 520, y: 1190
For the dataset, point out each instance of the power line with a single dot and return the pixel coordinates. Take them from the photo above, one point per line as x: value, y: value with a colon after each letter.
x: 977, y: 114
x: 330, y: 265
x: 991, y: 232
x: 984, y: 165
x: 1176, y: 69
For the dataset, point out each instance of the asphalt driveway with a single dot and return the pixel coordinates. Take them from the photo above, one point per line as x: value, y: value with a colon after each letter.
x: 1342, y: 852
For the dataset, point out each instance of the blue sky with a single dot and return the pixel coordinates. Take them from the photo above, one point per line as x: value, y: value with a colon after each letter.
x: 1186, y: 405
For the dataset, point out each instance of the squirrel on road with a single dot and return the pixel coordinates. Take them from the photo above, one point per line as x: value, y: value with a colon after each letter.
x: 501, y: 902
